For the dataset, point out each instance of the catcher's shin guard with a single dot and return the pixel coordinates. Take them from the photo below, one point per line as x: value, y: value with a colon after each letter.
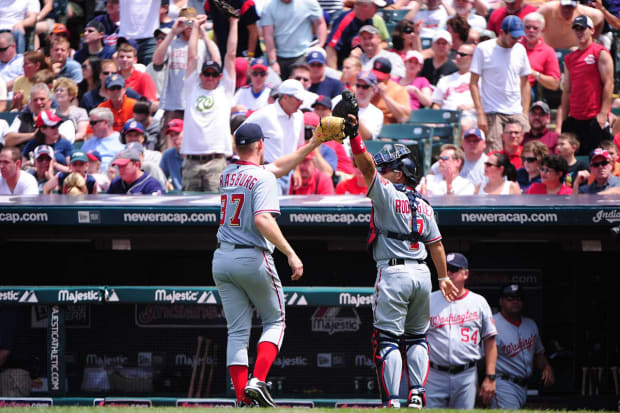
x: 388, y: 361
x: 416, y: 359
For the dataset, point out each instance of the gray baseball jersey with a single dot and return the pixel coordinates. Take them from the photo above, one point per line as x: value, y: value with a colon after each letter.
x: 246, y: 190
x: 458, y: 328
x: 391, y: 212
x: 243, y: 268
x: 516, y: 346
x: 455, y: 335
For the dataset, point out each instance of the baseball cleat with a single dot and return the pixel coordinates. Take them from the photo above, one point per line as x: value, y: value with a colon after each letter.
x: 394, y: 403
x: 247, y: 403
x: 259, y: 392
x: 415, y: 402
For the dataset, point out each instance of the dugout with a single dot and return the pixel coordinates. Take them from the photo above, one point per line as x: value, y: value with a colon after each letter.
x: 153, y: 255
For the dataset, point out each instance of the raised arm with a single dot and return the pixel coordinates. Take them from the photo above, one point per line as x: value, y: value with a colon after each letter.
x: 283, y: 165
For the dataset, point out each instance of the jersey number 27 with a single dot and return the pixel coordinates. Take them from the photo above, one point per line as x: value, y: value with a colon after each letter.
x: 238, y: 200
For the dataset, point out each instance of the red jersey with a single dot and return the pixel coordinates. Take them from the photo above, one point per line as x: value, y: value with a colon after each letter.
x: 350, y: 186
x: 143, y: 84
x: 542, y: 59
x: 585, y: 82
x: 538, y: 188
x: 498, y: 15
x: 319, y: 184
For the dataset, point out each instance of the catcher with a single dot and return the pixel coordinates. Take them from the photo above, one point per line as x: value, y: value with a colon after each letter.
x: 402, y: 232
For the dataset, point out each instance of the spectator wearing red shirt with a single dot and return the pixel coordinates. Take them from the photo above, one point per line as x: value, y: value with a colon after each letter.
x: 356, y: 185
x: 512, y: 138
x: 313, y: 181
x: 587, y: 88
x: 543, y: 59
x: 539, y: 117
x: 511, y: 7
x: 139, y: 81
x: 552, y: 173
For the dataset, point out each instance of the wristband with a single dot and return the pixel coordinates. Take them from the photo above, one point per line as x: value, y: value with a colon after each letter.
x: 357, y: 145
x: 443, y: 279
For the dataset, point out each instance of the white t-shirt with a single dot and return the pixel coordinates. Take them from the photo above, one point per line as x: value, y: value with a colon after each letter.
x: 433, y: 21
x: 452, y: 91
x: 14, y: 11
x: 207, y: 116
x: 139, y: 18
x: 372, y: 117
x: 244, y: 96
x: 26, y: 185
x: 500, y: 71
x: 436, y: 185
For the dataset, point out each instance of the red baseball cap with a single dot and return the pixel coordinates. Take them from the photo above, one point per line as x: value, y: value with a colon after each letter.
x: 48, y: 118
x: 175, y: 125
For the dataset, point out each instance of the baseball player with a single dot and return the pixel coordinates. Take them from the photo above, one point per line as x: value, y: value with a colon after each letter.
x: 402, y: 227
x: 243, y: 269
x: 456, y: 332
x: 518, y: 348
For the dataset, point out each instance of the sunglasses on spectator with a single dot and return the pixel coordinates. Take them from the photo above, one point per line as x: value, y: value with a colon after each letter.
x: 301, y: 78
x: 362, y: 86
x: 260, y: 73
x: 210, y: 74
x: 452, y: 268
x: 489, y: 164
x: 108, y: 73
x: 4, y: 49
x: 529, y: 159
x: 598, y: 164
x: 115, y: 88
x: 462, y: 54
x: 445, y: 158
x: 407, y: 30
x: 94, y: 122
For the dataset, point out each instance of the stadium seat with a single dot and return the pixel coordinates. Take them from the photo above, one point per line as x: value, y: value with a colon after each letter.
x: 394, y: 16
x: 446, y: 124
x: 417, y: 136
x: 8, y: 116
x: 426, y: 42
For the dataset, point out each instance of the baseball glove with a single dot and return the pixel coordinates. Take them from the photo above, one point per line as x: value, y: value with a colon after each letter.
x: 226, y: 8
x: 331, y: 128
x: 348, y: 106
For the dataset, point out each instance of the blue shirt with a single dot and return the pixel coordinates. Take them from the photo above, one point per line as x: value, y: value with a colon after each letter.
x: 292, y: 24
x: 593, y: 188
x: 330, y: 156
x: 146, y: 185
x: 72, y: 70
x: 106, y: 53
x: 171, y: 162
x: 62, y: 149
x: 328, y: 87
x: 108, y: 147
x: 13, y: 68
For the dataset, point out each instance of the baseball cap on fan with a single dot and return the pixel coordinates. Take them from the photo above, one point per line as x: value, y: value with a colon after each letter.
x: 378, y: 3
x: 381, y: 68
x: 583, y: 21
x: 572, y: 3
x: 42, y: 150
x: 293, y: 88
x: 513, y: 26
x: 474, y: 132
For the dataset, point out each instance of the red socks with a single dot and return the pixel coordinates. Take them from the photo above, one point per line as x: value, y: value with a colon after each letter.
x: 267, y: 353
x: 239, y: 376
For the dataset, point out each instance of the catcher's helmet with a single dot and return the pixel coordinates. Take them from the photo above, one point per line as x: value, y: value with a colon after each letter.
x: 397, y: 157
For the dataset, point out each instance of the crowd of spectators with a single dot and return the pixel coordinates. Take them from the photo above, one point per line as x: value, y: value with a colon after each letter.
x: 144, y: 96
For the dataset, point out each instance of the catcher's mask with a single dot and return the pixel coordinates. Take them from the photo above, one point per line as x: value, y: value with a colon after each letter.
x: 396, y: 157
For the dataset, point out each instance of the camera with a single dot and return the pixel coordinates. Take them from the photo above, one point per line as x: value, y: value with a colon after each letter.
x: 189, y: 23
